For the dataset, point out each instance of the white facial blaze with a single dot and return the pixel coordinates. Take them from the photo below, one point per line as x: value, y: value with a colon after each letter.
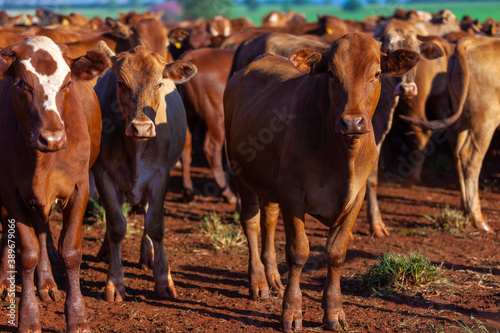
x: 51, y: 84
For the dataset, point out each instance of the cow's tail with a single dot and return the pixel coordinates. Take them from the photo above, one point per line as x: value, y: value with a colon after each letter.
x: 447, y: 122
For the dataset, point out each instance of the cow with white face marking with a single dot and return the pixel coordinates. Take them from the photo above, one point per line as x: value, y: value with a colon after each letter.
x: 49, y: 138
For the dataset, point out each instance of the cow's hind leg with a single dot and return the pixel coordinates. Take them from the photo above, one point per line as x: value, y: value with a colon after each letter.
x: 297, y: 252
x: 212, y: 148
x: 187, y: 182
x: 268, y: 220
x: 336, y: 247
x: 70, y: 247
x: 250, y: 221
x: 471, y: 149
x: 154, y: 226
x: 47, y: 287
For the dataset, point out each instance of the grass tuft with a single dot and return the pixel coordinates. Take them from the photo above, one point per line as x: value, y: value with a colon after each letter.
x: 99, y: 213
x: 400, y: 272
x: 451, y: 220
x: 222, y: 234
x: 476, y: 327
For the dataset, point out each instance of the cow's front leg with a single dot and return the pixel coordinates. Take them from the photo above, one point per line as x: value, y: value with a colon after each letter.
x: 297, y: 252
x: 47, y: 287
x: 29, y: 312
x: 116, y: 228
x: 155, y: 229
x: 70, y: 247
x: 268, y: 220
x: 336, y: 247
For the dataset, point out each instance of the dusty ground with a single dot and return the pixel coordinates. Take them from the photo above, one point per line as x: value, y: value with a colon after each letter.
x: 212, y: 284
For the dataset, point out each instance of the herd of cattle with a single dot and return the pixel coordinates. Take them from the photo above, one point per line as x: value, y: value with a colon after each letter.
x: 303, y: 116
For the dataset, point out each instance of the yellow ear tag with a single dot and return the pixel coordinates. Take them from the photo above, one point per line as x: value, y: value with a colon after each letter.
x: 28, y: 21
x: 65, y: 22
x: 178, y: 45
x: 329, y: 31
x: 493, y: 30
x: 94, y: 26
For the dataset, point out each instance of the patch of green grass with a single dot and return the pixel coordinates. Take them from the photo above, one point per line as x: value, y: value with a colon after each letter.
x: 451, y: 220
x: 222, y: 234
x: 436, y: 328
x: 400, y: 272
x: 476, y: 326
x: 99, y: 213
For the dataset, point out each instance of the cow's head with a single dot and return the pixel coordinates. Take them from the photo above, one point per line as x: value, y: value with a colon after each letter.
x: 395, y: 39
x: 140, y: 77
x: 353, y: 67
x: 43, y: 77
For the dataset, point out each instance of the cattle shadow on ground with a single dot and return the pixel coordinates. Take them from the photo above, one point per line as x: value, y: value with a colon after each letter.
x: 253, y: 318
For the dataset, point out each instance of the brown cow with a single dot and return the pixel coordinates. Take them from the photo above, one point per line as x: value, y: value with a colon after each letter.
x: 202, y: 98
x: 305, y: 141
x: 144, y: 133
x: 50, y: 130
x: 474, y: 88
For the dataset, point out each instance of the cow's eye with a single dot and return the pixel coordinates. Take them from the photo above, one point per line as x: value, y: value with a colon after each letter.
x: 20, y: 84
x: 377, y: 75
x: 159, y: 86
x: 330, y: 74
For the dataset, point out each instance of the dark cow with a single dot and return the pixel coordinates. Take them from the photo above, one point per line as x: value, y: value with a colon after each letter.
x: 305, y: 141
x: 474, y: 88
x: 50, y: 130
x: 202, y: 98
x: 144, y: 130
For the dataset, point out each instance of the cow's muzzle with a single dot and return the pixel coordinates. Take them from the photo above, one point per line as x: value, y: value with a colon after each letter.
x: 51, y: 141
x: 406, y: 90
x: 141, y: 129
x: 353, y: 124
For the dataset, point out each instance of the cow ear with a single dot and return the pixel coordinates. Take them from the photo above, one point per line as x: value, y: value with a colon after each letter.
x: 179, y: 71
x: 90, y: 66
x: 431, y: 51
x: 309, y: 60
x: 4, y: 66
x: 6, y: 57
x: 111, y: 23
x: 399, y: 62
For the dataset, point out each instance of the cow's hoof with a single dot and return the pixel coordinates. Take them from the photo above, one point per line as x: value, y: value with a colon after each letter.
x: 114, y: 292
x: 291, y: 321
x: 229, y: 196
x: 258, y: 283
x: 165, y: 291
x: 335, y: 321
x: 187, y: 195
x: 49, y: 293
x: 379, y: 230
x: 274, y: 282
x: 78, y: 326
x: 483, y: 226
x: 29, y: 328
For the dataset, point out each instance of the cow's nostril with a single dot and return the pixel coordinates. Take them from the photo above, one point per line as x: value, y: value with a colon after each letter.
x: 42, y: 140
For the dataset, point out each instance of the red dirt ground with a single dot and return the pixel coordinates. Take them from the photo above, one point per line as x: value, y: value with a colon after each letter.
x: 212, y: 284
